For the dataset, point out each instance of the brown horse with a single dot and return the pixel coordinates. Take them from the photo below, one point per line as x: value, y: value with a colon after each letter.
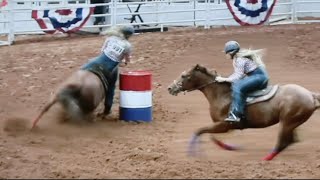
x: 292, y: 105
x: 79, y: 95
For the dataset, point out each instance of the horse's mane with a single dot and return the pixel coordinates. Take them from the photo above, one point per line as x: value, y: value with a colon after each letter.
x: 213, y: 73
x: 204, y: 70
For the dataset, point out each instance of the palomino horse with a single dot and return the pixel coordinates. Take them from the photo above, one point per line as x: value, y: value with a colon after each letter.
x: 79, y: 95
x: 291, y: 105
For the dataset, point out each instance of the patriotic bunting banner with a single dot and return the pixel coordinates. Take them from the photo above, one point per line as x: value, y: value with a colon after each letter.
x: 63, y: 20
x: 251, y: 12
x: 3, y: 3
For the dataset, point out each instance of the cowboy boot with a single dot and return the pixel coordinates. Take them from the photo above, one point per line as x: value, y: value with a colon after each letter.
x: 233, y: 117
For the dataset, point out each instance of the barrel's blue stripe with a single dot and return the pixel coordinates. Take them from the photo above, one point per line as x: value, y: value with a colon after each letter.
x: 136, y: 114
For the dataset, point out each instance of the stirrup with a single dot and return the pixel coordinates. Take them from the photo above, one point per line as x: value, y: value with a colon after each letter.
x: 232, y: 118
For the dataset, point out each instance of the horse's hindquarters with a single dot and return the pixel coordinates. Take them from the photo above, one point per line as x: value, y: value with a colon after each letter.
x: 92, y: 89
x: 290, y: 103
x: 85, y: 89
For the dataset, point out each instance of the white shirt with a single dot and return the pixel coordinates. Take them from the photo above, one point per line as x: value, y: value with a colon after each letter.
x: 115, y: 48
x: 242, y: 66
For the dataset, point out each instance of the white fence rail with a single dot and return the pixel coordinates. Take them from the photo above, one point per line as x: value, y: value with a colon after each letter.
x: 307, y: 11
x: 15, y: 18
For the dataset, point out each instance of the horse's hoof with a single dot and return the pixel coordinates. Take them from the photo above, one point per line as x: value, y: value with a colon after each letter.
x: 191, y: 153
x: 193, y: 145
x: 226, y: 146
x: 34, y: 128
x: 231, y: 147
x: 270, y: 156
x: 267, y: 158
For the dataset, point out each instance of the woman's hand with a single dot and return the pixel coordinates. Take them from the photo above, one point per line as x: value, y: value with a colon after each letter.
x: 221, y: 79
x: 125, y: 61
x: 123, y: 64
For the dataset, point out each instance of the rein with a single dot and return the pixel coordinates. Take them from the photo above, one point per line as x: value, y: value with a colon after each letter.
x: 202, y: 86
x: 179, y: 85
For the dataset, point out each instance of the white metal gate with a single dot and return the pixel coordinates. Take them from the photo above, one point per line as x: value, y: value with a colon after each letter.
x: 15, y: 18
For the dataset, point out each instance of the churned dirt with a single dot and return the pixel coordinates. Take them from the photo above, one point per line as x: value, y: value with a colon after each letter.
x: 31, y: 69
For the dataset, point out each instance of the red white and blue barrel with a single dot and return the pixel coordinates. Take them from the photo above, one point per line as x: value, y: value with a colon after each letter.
x: 136, y: 96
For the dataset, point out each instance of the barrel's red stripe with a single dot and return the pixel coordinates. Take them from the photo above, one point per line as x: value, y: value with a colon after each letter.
x: 135, y: 81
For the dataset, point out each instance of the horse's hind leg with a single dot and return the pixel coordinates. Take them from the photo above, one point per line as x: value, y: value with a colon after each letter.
x: 287, y: 136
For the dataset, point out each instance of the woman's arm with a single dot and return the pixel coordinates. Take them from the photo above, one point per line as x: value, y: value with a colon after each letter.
x: 238, y: 73
x: 127, y: 59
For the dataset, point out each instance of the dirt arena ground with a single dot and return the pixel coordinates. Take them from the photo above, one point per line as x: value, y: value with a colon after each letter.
x: 31, y: 69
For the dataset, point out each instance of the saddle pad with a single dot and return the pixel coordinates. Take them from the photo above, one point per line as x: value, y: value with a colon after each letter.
x: 270, y: 93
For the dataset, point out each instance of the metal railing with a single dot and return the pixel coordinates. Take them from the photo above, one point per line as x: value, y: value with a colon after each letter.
x: 15, y: 18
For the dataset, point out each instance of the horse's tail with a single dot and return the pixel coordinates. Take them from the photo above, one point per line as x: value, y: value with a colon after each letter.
x: 71, y: 90
x: 44, y: 110
x: 316, y: 97
x: 69, y: 97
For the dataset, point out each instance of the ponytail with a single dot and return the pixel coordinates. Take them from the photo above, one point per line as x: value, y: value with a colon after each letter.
x: 254, y: 55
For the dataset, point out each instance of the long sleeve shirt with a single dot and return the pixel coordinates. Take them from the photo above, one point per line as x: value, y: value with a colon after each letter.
x: 241, y: 66
x: 115, y: 48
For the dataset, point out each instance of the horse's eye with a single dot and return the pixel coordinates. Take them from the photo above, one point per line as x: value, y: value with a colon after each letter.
x: 186, y: 76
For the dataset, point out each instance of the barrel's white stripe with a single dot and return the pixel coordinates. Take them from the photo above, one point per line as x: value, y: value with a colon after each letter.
x: 135, y: 99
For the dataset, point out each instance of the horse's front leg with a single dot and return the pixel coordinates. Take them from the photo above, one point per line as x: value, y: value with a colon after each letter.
x: 219, y: 127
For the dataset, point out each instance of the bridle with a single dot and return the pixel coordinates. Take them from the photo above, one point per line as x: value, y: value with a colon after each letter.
x: 202, y: 86
x: 197, y: 88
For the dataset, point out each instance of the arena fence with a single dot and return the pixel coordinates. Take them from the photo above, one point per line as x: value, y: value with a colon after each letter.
x: 16, y: 16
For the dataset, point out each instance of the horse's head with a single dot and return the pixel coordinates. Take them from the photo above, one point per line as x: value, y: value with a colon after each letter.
x: 196, y: 77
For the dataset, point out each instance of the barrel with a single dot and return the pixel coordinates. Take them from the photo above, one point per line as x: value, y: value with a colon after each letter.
x: 136, y: 96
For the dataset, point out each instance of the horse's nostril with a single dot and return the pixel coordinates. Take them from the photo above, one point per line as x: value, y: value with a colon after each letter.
x: 169, y: 88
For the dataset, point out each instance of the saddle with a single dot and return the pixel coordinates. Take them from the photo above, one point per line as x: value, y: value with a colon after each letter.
x: 103, y: 74
x: 262, y: 95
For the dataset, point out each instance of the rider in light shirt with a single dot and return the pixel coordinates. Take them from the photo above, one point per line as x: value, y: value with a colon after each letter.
x: 115, y: 50
x: 249, y: 75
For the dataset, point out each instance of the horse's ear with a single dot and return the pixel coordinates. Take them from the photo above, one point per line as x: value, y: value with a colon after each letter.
x: 198, y: 67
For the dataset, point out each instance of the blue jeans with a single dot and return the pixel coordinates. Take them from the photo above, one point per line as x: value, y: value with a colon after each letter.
x: 255, y: 80
x: 103, y: 60
x: 110, y: 92
x: 112, y: 66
